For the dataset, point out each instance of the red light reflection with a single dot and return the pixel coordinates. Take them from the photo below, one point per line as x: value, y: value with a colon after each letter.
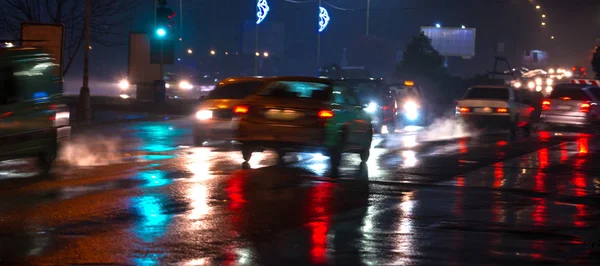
x: 320, y: 215
x: 563, y: 152
x: 582, y: 143
x: 498, y: 174
x: 458, y: 204
x: 502, y: 143
x: 580, y: 215
x: 235, y: 192
x: 540, y: 176
x: 539, y: 214
x: 579, y: 180
x: 544, y: 135
x: 462, y: 146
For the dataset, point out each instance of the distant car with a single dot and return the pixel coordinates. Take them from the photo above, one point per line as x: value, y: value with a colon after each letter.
x: 413, y: 107
x: 496, y: 107
x: 379, y: 101
x: 572, y: 105
x: 293, y: 114
x: 34, y: 119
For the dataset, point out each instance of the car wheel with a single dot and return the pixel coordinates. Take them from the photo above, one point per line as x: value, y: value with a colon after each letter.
x: 377, y: 129
x: 366, y: 151
x: 335, y: 153
x: 527, y: 130
x: 512, y: 131
x: 280, y: 155
x: 247, y: 153
x: 46, y: 160
x: 391, y: 127
x: 199, y: 141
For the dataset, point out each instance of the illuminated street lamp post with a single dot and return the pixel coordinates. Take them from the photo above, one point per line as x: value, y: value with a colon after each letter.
x: 84, y: 111
x: 262, y: 10
x: 323, y: 22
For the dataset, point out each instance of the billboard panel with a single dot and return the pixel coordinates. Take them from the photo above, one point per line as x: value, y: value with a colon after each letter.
x: 139, y: 69
x: 47, y: 37
x: 452, y: 41
x: 271, y: 37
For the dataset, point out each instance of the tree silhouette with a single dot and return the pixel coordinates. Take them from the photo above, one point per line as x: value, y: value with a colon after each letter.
x: 420, y: 59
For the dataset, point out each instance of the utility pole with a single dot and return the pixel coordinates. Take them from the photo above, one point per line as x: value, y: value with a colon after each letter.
x: 319, y: 40
x: 84, y: 110
x: 368, y: 15
x: 256, y: 46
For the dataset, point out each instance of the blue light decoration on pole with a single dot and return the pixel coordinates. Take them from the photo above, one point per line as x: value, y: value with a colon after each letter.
x: 323, y: 18
x: 262, y: 10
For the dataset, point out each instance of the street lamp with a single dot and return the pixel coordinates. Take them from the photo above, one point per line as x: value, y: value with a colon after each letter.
x: 161, y: 32
x: 257, y: 54
x: 538, y: 7
x: 266, y: 54
x: 463, y: 27
x: 552, y: 37
x: 213, y: 52
x: 543, y: 23
x: 438, y: 25
x: 189, y: 51
x: 544, y: 15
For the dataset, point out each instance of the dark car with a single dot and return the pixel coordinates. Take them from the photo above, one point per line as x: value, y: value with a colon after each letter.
x: 34, y: 118
x: 379, y: 101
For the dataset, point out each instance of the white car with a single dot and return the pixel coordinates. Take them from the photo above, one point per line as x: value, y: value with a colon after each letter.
x: 496, y: 107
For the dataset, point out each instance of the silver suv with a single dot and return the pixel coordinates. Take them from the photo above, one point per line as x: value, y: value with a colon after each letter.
x: 572, y: 105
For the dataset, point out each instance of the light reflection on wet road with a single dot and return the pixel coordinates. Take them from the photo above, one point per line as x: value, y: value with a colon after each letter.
x: 141, y: 195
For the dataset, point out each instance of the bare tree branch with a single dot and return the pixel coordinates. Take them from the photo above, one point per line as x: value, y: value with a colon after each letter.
x: 105, y: 20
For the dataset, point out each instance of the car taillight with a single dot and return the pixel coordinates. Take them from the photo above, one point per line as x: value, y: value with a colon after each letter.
x: 463, y: 110
x: 241, y: 109
x: 585, y: 107
x: 546, y: 105
x: 501, y: 110
x: 325, y: 114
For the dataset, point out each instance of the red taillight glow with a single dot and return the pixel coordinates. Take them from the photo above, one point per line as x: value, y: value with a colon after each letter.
x: 464, y: 110
x: 585, y: 107
x: 325, y: 114
x: 241, y: 109
x: 501, y: 110
x: 546, y: 105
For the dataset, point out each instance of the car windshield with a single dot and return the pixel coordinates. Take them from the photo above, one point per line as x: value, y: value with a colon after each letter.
x: 573, y: 93
x: 238, y: 90
x: 487, y: 93
x: 298, y: 90
x: 364, y: 89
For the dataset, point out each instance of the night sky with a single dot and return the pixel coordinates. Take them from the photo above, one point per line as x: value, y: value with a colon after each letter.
x: 217, y: 24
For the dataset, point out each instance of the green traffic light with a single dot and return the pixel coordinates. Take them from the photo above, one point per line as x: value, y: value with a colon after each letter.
x: 161, y: 32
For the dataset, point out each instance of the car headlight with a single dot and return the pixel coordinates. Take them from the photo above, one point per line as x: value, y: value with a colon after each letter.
x: 185, y: 85
x: 549, y: 82
x: 518, y: 85
x: 551, y: 71
x: 538, y: 81
x: 371, y: 108
x: 411, y: 106
x: 204, y: 114
x: 531, y: 85
x: 167, y: 85
x: 568, y: 74
x: 124, y: 84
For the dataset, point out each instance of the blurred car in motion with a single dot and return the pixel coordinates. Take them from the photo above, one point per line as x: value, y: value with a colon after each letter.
x: 572, y: 105
x: 34, y: 118
x: 413, y: 107
x: 579, y: 72
x: 287, y: 114
x: 379, y: 101
x: 496, y: 107
x: 177, y: 87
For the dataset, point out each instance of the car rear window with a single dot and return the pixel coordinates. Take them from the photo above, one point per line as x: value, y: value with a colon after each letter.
x: 298, y: 90
x: 487, y: 93
x: 574, y: 93
x: 238, y: 90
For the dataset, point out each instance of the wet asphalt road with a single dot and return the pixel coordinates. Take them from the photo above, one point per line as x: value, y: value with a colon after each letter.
x: 138, y: 194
